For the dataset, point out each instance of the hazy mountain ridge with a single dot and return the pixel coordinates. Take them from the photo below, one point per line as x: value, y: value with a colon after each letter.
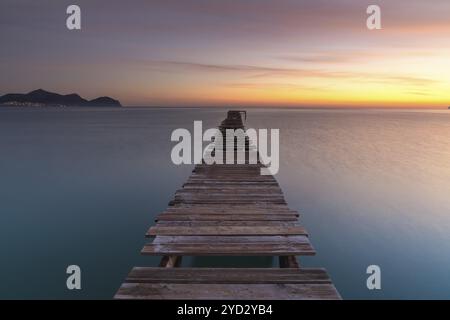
x: 42, y: 98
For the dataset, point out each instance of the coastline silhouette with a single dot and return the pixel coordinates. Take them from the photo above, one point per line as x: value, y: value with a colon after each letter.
x: 43, y: 98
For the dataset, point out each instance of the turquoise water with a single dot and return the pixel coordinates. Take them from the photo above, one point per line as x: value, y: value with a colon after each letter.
x: 81, y: 186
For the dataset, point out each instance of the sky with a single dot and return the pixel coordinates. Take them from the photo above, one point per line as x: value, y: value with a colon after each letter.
x: 278, y: 53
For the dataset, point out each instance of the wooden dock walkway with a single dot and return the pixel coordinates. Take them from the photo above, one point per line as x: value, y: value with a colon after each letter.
x: 228, y: 210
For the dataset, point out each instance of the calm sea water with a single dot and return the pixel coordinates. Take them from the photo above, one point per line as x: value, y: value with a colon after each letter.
x: 81, y: 186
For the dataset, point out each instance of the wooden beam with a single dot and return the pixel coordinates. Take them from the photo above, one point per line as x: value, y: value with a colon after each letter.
x: 170, y: 261
x: 288, y: 262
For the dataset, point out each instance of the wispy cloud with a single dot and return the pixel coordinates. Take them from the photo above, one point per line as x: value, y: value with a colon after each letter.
x: 418, y: 93
x: 248, y: 70
x: 277, y: 86
x: 409, y: 80
x: 329, y: 57
x: 344, y: 57
x: 255, y: 71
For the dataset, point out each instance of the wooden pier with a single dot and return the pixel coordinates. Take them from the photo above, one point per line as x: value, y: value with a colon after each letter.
x: 228, y: 210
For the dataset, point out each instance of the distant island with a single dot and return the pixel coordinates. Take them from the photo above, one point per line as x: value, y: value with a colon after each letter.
x: 42, y: 98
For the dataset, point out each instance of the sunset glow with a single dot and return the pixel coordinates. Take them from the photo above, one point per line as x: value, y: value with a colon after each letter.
x: 233, y: 53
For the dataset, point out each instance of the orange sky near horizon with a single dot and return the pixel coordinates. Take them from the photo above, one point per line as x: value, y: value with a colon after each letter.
x: 375, y: 79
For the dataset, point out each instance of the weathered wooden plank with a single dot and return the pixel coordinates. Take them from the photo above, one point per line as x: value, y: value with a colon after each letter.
x: 238, y: 176
x: 230, y: 207
x: 224, y: 208
x: 226, y: 230
x: 286, y: 240
x: 212, y: 172
x: 228, y: 223
x: 202, y: 199
x: 232, y: 183
x: 245, y: 169
x: 236, y: 180
x: 230, y: 178
x: 263, y: 198
x: 227, y: 196
x: 229, y: 201
x: 230, y: 191
x: 221, y: 212
x: 228, y: 167
x: 225, y: 217
x: 228, y: 249
x: 228, y: 275
x: 212, y: 182
x: 212, y: 291
x: 232, y: 174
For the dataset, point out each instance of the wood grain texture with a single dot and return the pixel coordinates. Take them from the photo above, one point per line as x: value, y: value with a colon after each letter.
x: 228, y: 275
x: 212, y: 291
x: 226, y: 217
x: 226, y: 230
x: 229, y: 249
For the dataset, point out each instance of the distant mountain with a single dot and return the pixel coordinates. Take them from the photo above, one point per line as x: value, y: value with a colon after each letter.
x: 105, y: 102
x: 42, y: 98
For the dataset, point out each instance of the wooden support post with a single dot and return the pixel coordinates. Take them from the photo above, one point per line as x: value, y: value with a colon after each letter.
x: 288, y: 262
x: 170, y: 262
